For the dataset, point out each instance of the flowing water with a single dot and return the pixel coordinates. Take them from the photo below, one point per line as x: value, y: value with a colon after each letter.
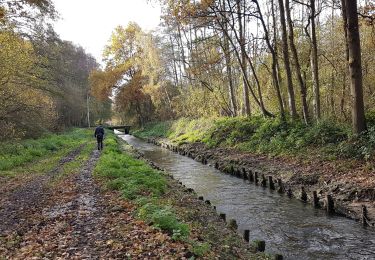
x: 289, y: 227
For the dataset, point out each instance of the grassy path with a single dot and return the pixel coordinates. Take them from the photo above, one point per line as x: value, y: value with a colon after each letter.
x: 29, y: 198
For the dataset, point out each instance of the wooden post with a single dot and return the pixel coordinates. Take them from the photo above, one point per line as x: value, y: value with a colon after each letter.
x: 260, y: 245
x: 272, y: 185
x: 231, y: 170
x: 251, y: 176
x: 315, y: 199
x: 246, y: 235
x: 364, y: 216
x: 303, y: 194
x: 244, y: 174
x: 232, y: 224
x: 278, y: 257
x: 223, y: 216
x: 264, y: 181
x: 256, y: 178
x: 330, y: 204
x: 280, y: 184
x: 216, y: 165
x: 289, y: 193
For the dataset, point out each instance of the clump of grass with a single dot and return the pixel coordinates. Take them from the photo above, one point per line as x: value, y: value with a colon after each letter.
x: 164, y: 218
x: 200, y: 249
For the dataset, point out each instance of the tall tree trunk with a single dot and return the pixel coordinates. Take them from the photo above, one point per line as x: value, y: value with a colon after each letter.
x: 275, y: 78
x: 183, y: 56
x: 219, y: 13
x: 246, y: 101
x: 292, y: 103
x: 314, y: 62
x: 305, y: 109
x: 174, y: 61
x: 227, y: 55
x: 355, y: 68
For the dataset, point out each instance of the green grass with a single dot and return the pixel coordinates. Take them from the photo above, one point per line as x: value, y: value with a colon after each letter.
x: 14, y: 154
x: 159, y: 129
x: 76, y: 165
x: 19, y: 164
x: 269, y: 136
x: 137, y: 181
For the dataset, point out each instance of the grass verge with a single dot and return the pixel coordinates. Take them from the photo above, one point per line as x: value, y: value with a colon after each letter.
x: 269, y: 136
x: 18, y: 153
x: 138, y: 182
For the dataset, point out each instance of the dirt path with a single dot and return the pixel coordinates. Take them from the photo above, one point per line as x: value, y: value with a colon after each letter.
x: 82, y: 222
x: 24, y: 201
x: 76, y: 217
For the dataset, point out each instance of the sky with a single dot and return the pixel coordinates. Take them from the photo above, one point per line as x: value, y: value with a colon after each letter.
x: 89, y: 23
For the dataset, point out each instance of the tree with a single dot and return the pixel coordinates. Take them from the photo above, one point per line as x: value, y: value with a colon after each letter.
x: 298, y: 72
x: 355, y: 67
x: 314, y: 61
x: 292, y: 103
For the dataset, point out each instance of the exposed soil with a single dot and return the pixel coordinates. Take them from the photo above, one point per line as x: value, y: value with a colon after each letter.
x: 350, y: 189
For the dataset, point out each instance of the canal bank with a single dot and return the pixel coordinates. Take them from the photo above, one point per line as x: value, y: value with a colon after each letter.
x: 208, y: 236
x: 288, y: 226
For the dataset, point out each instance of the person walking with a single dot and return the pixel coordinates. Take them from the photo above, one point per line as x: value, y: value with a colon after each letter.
x: 99, y: 134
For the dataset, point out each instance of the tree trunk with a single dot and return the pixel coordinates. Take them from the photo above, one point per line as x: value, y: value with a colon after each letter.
x: 355, y: 68
x: 305, y: 109
x: 314, y: 62
x: 292, y: 103
x: 232, y: 97
x: 246, y: 101
x: 275, y: 78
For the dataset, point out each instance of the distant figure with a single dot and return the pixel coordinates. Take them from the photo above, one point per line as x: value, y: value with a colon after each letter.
x: 99, y: 134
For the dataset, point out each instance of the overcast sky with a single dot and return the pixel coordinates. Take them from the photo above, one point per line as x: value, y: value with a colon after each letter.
x: 89, y: 23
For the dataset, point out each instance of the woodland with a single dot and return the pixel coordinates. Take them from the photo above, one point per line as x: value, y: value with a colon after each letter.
x: 44, y: 83
x: 305, y: 61
x: 299, y: 61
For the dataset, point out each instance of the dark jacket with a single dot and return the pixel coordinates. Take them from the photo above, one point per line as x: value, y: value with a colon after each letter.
x: 99, y: 132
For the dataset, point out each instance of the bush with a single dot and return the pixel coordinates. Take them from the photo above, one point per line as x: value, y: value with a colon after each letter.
x: 360, y: 147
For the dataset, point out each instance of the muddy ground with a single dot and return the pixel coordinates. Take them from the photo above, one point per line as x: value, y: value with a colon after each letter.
x: 350, y: 183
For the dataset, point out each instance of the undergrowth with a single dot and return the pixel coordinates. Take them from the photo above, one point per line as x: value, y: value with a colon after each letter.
x: 137, y: 181
x: 270, y: 136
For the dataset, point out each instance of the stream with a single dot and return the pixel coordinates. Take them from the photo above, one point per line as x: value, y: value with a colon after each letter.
x: 290, y: 227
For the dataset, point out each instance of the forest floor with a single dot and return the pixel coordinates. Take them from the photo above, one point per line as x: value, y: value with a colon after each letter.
x: 350, y: 182
x: 66, y: 213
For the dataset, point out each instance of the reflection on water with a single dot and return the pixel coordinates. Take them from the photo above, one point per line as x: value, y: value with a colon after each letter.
x: 288, y: 226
